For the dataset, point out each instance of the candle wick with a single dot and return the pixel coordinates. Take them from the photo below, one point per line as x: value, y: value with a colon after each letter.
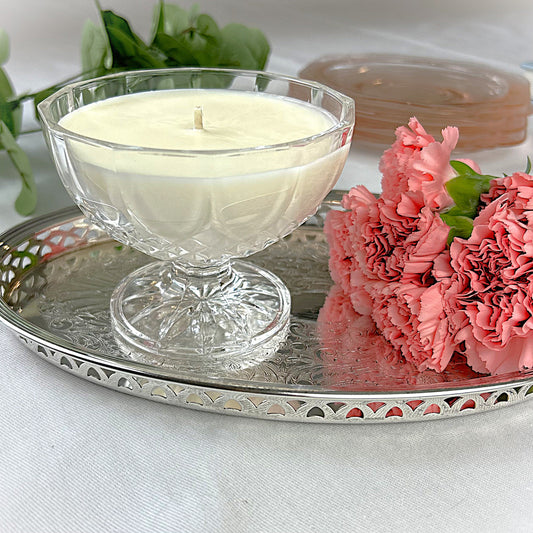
x: 198, y: 118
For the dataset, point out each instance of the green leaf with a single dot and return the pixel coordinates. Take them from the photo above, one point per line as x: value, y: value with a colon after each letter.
x: 6, y: 116
x: 6, y: 89
x: 170, y: 19
x: 10, y: 111
x: 17, y: 121
x: 244, y: 47
x: 528, y: 165
x: 128, y: 49
x: 465, y: 191
x: 462, y: 168
x: 460, y: 226
x: 198, y: 45
x: 4, y: 46
x: 176, y: 49
x: 27, y: 199
x: 193, y: 14
x: 466, y: 188
x: 204, y: 42
x: 95, y: 49
x: 209, y: 37
x: 45, y: 93
x: 158, y: 21
x: 208, y: 28
x: 111, y: 20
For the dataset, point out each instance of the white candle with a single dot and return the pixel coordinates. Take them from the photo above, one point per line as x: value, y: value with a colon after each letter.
x: 208, y: 203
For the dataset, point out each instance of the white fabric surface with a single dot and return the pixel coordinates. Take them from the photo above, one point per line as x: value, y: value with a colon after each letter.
x: 76, y: 457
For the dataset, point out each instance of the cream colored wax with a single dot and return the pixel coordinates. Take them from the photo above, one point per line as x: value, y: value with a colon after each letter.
x: 195, y: 191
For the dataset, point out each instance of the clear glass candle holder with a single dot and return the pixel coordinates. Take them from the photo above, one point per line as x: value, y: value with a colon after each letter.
x: 198, y: 303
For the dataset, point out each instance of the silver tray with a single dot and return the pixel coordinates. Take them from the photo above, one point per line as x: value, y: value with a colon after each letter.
x: 56, y: 276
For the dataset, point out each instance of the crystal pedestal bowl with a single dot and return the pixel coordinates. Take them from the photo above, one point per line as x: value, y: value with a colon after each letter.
x: 198, y: 167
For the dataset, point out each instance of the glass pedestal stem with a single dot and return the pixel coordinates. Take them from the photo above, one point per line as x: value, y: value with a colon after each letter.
x: 234, y: 314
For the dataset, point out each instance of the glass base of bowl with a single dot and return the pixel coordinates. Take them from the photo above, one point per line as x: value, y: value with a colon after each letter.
x: 232, y: 315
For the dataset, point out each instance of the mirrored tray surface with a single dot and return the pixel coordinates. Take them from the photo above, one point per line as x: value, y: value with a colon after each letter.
x: 56, y: 276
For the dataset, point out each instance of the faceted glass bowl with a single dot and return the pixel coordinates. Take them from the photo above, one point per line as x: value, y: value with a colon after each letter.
x: 197, y: 305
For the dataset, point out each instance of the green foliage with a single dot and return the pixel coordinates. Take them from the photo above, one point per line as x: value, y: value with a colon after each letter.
x: 128, y: 51
x: 10, y: 124
x: 171, y: 19
x: 465, y: 190
x: 10, y: 111
x: 180, y: 38
x: 4, y: 46
x: 244, y: 47
x: 460, y: 226
x: 27, y: 199
x: 95, y: 49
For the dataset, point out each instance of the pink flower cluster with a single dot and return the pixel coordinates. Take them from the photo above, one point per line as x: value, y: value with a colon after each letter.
x: 430, y: 300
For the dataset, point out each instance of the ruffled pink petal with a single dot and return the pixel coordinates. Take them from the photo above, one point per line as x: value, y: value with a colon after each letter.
x: 516, y: 356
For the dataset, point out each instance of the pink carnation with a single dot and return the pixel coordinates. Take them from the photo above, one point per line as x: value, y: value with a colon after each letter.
x: 494, y: 278
x: 394, y: 240
x: 516, y: 355
x: 338, y: 311
x: 341, y: 253
x: 413, y: 319
x: 418, y: 163
x: 518, y: 187
x: 343, y: 267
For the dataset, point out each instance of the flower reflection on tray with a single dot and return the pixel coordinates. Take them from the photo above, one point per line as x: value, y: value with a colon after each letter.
x: 356, y: 356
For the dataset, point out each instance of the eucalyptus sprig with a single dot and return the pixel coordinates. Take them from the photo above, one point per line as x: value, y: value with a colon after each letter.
x: 180, y: 38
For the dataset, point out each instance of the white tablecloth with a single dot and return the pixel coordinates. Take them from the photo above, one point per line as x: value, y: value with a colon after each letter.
x: 76, y: 457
